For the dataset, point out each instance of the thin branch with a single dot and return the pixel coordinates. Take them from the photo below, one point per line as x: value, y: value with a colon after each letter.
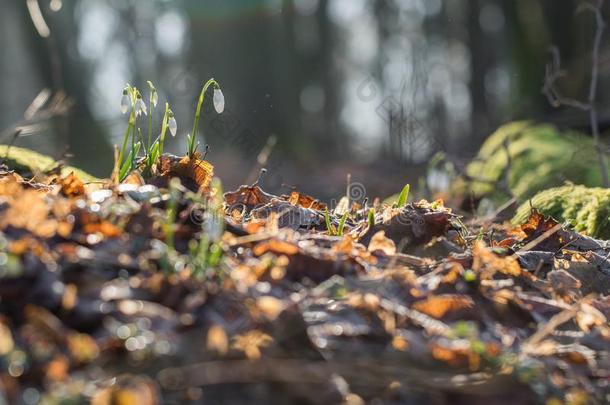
x: 600, y: 26
x: 553, y: 73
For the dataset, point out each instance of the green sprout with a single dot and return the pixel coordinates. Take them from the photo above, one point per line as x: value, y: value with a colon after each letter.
x: 371, y: 218
x: 329, y: 226
x: 342, y: 224
x: 402, y: 198
x: 332, y: 231
x: 219, y: 105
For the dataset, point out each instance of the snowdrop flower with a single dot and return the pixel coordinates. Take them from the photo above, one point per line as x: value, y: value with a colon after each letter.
x: 171, y: 124
x: 140, y: 105
x: 125, y: 101
x: 154, y: 97
x: 219, y: 100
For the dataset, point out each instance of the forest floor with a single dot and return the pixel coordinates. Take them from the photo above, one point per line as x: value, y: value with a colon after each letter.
x: 170, y: 291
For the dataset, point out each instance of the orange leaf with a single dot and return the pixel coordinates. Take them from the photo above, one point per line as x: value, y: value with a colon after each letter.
x: 439, y: 305
x: 488, y: 263
x: 72, y: 186
x: 304, y: 200
x: 275, y: 246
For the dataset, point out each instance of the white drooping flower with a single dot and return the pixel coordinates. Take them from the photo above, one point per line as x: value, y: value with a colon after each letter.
x: 154, y: 97
x: 125, y: 102
x: 140, y: 106
x: 219, y: 101
x: 172, y: 125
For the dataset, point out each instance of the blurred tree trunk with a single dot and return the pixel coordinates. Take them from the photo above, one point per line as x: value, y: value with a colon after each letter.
x: 77, y: 133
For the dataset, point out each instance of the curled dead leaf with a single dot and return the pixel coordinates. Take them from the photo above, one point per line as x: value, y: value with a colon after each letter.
x: 72, y: 186
x: 305, y: 201
x: 194, y: 173
x: 247, y: 196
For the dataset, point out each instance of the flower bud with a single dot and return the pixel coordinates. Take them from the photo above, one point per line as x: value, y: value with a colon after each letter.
x: 219, y: 101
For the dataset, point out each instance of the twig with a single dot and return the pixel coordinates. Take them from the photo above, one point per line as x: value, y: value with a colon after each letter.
x: 555, y: 97
x: 564, y: 316
x: 547, y: 234
x: 600, y: 26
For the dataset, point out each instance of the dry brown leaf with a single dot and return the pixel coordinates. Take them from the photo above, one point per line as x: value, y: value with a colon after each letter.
x: 57, y: 369
x: 28, y: 209
x: 275, y: 246
x: 400, y: 343
x: 379, y: 242
x: 270, y: 306
x: 247, y: 196
x: 305, y: 201
x: 134, y: 178
x: 10, y: 185
x: 589, y: 316
x: 487, y: 262
x: 70, y: 297
x: 194, y: 173
x: 251, y: 343
x: 451, y: 356
x: 72, y: 186
x: 564, y: 284
x: 128, y: 390
x: 217, y: 340
x: 6, y: 339
x: 83, y: 347
x: 439, y: 305
x: 103, y: 227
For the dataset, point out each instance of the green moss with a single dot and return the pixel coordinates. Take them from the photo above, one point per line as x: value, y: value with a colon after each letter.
x: 587, y: 209
x: 27, y: 162
x: 541, y: 156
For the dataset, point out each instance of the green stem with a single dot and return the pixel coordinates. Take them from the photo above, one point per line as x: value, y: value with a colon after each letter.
x: 130, y: 125
x: 150, y: 119
x: 133, y: 140
x: 163, y: 128
x: 191, y: 146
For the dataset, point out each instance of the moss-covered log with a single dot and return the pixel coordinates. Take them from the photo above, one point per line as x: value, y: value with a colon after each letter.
x: 29, y: 163
x: 587, y: 209
x: 541, y: 156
